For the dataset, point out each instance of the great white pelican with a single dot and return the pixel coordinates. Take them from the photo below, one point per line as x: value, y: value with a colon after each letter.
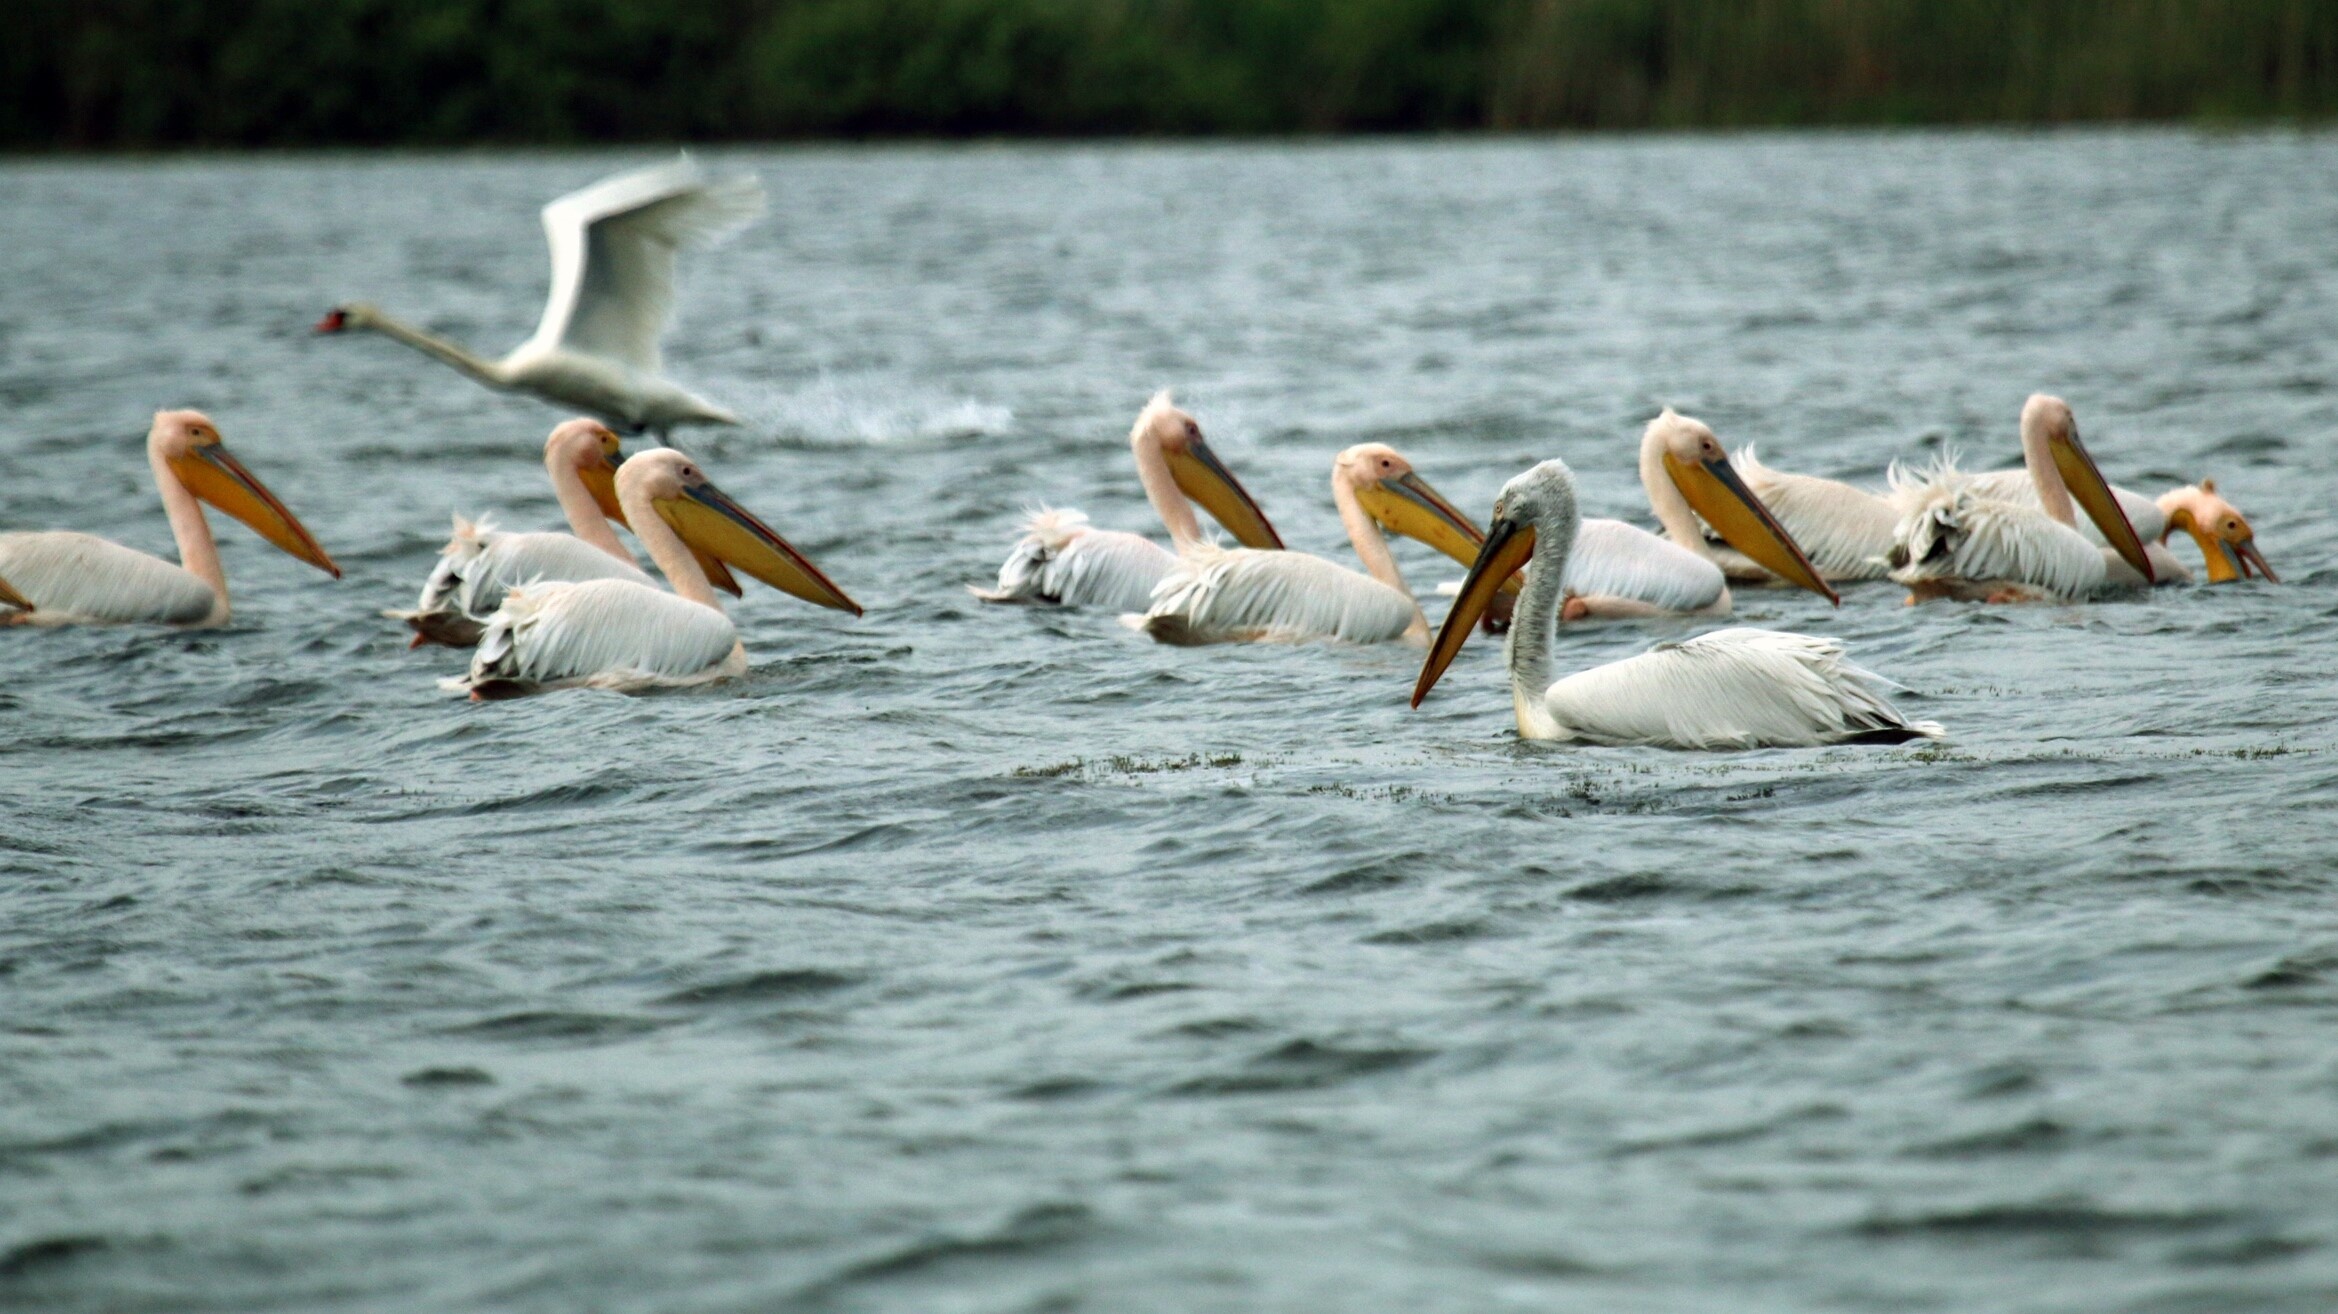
x: 482, y: 563
x: 1957, y: 540
x: 79, y: 579
x: 1062, y: 559
x: 619, y: 634
x: 1734, y: 688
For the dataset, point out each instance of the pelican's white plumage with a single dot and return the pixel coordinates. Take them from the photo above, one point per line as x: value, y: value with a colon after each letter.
x: 1064, y: 560
x: 1956, y: 540
x: 618, y: 634
x: 78, y: 579
x: 1622, y: 570
x: 614, y: 245
x: 1730, y: 689
x: 481, y: 565
x: 1240, y: 595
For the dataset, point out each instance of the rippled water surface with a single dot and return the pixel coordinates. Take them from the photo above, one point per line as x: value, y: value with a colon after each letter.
x: 964, y: 958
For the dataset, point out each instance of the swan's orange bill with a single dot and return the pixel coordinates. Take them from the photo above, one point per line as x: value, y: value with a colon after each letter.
x: 711, y: 522
x: 1206, y: 480
x: 218, y: 478
x: 1509, y: 546
x: 1716, y: 493
x: 2093, y: 493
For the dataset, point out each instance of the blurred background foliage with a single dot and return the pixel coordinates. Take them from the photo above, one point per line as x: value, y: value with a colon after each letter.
x: 161, y: 73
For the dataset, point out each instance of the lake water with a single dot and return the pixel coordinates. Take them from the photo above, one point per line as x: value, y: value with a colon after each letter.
x: 984, y: 959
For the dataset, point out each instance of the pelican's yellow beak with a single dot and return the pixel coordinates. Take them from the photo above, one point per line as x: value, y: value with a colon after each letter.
x: 210, y: 473
x: 2093, y: 493
x: 1206, y: 480
x: 1407, y: 505
x: 9, y: 597
x: 1744, y: 522
x: 1508, y: 547
x: 2230, y: 551
x: 711, y: 523
x: 601, y: 481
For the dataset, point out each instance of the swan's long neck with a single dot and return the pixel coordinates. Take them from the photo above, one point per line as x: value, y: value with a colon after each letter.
x: 432, y: 345
x: 667, y: 549
x: 1167, y: 498
x: 1672, y: 510
x: 1535, y: 623
x: 1372, y: 546
x: 198, y: 551
x: 584, y: 514
x: 2053, y: 494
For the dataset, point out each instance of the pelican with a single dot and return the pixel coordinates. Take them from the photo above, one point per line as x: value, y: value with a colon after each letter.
x: 1619, y: 570
x: 1847, y: 531
x: 1219, y: 595
x: 77, y: 579
x: 1063, y: 559
x: 1734, y: 688
x: 481, y: 563
x: 613, y: 249
x: 2226, y: 543
x: 1955, y: 540
x: 619, y: 634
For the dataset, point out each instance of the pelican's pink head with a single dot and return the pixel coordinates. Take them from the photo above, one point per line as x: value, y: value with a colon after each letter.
x: 1685, y: 453
x: 677, y: 491
x: 186, y: 446
x: 2225, y: 540
x: 2051, y: 449
x: 1164, y: 435
x: 1383, y: 483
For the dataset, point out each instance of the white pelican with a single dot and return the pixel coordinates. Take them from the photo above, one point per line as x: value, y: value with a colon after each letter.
x: 1846, y: 531
x: 1063, y: 559
x: 618, y: 634
x: 78, y: 579
x: 613, y: 247
x: 1217, y: 595
x: 1735, y: 688
x: 1955, y: 540
x: 481, y: 563
x: 2227, y: 544
x: 1620, y: 570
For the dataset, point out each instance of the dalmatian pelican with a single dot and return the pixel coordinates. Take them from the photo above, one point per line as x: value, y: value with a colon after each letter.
x: 1727, y: 689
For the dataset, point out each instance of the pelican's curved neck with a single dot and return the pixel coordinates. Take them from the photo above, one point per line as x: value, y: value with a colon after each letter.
x: 667, y: 549
x: 1167, y: 498
x: 1672, y: 510
x: 1535, y: 623
x: 198, y: 551
x: 584, y: 514
x: 1371, y: 545
x: 2053, y: 494
x: 430, y: 344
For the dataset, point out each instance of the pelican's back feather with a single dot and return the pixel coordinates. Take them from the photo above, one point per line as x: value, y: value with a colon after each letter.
x: 80, y: 578
x: 1950, y: 533
x: 1734, y: 688
x: 2018, y: 487
x: 1612, y: 559
x: 1221, y: 595
x: 602, y: 631
x: 1060, y: 559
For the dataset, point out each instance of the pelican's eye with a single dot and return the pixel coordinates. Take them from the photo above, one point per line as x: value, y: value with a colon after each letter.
x: 1192, y: 430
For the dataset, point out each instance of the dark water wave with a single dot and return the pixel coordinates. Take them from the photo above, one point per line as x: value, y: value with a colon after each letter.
x: 961, y: 957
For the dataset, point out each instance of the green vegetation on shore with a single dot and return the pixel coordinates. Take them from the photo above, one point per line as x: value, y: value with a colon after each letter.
x: 85, y: 74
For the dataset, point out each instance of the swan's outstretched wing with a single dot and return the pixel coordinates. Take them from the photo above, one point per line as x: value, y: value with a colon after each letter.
x: 613, y: 247
x: 1735, y: 688
x: 1615, y: 560
x: 1242, y: 595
